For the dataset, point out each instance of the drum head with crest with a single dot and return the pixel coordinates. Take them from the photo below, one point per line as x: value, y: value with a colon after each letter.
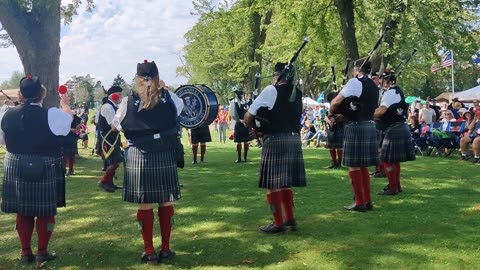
x: 200, y: 105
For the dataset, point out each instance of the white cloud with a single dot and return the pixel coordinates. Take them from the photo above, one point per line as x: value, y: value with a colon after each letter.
x: 116, y: 36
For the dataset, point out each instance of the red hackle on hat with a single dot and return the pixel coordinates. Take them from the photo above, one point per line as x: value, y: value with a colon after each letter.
x: 115, y: 97
x: 29, y: 77
x: 62, y: 89
x: 145, y: 61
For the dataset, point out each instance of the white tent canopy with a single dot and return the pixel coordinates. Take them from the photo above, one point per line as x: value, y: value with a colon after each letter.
x: 469, y: 95
x: 308, y: 102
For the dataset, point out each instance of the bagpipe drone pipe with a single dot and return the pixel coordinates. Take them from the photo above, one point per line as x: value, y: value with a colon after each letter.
x: 262, y: 123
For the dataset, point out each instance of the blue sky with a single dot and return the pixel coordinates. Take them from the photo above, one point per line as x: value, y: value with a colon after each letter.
x: 116, y: 36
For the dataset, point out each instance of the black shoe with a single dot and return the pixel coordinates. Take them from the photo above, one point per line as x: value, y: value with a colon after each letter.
x: 373, y: 173
x: 71, y: 173
x: 332, y: 166
x: 338, y: 166
x: 291, y: 224
x: 369, y: 206
x: 354, y: 207
x: 41, y: 260
x: 379, y: 174
x: 475, y: 160
x: 26, y: 259
x: 194, y: 162
x: 272, y: 228
x: 238, y: 161
x: 117, y: 187
x: 149, y: 258
x: 387, y: 192
x: 105, y: 187
x: 463, y: 157
x: 166, y: 256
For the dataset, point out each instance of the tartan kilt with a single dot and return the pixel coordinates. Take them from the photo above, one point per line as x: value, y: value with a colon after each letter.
x: 241, y: 133
x: 201, y: 135
x: 360, y: 147
x: 33, y: 198
x: 150, y: 177
x: 69, y: 144
x: 397, y: 145
x: 337, y: 142
x: 380, y: 136
x: 282, y: 162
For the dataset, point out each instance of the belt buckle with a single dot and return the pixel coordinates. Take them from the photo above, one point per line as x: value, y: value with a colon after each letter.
x: 156, y: 136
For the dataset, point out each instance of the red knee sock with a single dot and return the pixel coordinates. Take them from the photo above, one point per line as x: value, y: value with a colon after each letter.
x: 380, y: 167
x: 45, y: 227
x: 246, y: 146
x: 109, y: 174
x: 203, y: 149
x: 25, y: 230
x: 397, y: 167
x: 357, y: 186
x: 366, y: 184
x: 239, y: 151
x: 340, y: 156
x: 288, y: 203
x: 71, y: 161
x: 195, y: 151
x: 145, y: 220
x: 165, y: 216
x: 275, y: 201
x: 391, y: 172
x: 333, y: 156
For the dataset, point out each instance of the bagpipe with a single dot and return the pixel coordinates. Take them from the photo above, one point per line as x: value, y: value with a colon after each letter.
x: 15, y: 103
x: 351, y: 105
x: 262, y: 123
x: 391, y: 76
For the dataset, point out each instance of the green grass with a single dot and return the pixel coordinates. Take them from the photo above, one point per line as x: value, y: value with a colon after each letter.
x: 433, y: 224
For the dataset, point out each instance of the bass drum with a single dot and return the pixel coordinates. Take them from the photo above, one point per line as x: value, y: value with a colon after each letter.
x: 200, y: 105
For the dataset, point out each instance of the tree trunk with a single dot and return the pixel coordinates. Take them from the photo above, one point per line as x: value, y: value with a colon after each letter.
x: 36, y: 35
x: 347, y: 27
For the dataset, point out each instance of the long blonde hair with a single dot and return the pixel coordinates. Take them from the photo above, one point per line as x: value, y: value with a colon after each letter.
x: 149, y: 94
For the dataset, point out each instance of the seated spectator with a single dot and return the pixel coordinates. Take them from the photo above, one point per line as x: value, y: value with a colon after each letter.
x: 310, y: 131
x: 447, y: 117
x: 472, y: 136
x: 461, y: 112
x: 413, y: 124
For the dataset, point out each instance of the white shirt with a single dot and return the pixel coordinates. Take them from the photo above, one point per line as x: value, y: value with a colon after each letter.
x: 266, y: 98
x: 426, y: 115
x: 352, y: 88
x: 122, y: 110
x: 390, y: 97
x: 108, y: 112
x: 58, y: 121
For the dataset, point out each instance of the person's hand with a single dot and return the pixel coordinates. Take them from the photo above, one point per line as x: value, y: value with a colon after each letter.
x: 65, y: 101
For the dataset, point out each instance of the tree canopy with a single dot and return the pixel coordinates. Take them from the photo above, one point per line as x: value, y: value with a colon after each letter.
x: 232, y: 41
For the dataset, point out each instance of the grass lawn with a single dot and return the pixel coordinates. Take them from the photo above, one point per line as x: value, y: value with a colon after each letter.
x: 433, y: 224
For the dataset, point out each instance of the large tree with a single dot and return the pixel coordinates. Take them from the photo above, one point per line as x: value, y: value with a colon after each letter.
x: 33, y: 27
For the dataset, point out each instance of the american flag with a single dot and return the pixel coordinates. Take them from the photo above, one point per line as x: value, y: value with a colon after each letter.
x: 447, y: 61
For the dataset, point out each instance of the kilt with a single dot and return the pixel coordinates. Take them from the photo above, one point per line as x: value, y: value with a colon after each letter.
x: 241, y: 133
x: 69, y: 144
x: 360, y: 147
x: 397, y: 145
x: 150, y: 177
x: 40, y: 197
x: 282, y: 162
x: 337, y: 142
x: 380, y: 136
x: 201, y: 135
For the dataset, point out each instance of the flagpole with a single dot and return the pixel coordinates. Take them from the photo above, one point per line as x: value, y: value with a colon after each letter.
x: 453, y: 78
